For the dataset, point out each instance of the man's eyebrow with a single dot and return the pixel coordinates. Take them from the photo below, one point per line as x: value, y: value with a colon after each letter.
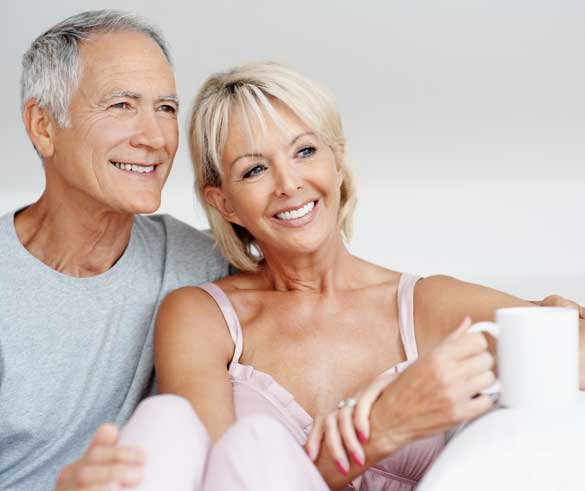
x: 169, y: 98
x: 135, y: 95
x: 123, y: 93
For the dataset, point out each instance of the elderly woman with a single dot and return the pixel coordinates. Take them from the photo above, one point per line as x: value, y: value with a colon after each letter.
x: 306, y: 333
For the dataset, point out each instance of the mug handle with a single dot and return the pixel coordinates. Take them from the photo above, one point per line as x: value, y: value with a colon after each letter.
x: 493, y: 329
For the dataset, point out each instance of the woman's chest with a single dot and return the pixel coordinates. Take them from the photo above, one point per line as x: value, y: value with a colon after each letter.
x: 321, y: 354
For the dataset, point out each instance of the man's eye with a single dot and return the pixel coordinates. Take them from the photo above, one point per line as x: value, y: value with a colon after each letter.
x: 168, y: 109
x: 120, y: 105
x: 255, y: 171
x: 307, y: 152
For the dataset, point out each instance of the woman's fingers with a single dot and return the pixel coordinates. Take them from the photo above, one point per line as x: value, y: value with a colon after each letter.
x: 476, y: 365
x: 313, y: 444
x: 361, y: 413
x: 335, y: 444
x: 464, y: 345
x: 480, y: 382
x: 461, y: 329
x: 348, y: 434
x: 476, y: 407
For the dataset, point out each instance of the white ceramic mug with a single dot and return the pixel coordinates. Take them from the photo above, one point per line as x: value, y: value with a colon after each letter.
x: 538, y: 355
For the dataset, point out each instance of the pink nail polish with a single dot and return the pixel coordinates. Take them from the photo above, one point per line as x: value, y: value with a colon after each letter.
x: 357, y: 459
x: 362, y: 436
x: 341, y: 468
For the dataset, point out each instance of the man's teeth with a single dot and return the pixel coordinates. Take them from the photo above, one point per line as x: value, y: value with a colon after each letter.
x: 298, y: 213
x: 134, y: 168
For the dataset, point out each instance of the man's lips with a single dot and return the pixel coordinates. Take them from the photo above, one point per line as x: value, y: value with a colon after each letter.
x: 137, y: 167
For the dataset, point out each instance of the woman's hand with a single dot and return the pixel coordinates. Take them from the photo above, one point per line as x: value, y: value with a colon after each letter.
x: 105, y: 466
x: 344, y: 428
x: 439, y: 390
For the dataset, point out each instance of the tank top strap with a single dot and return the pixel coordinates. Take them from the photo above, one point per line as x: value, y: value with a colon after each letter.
x: 231, y: 318
x: 406, y: 314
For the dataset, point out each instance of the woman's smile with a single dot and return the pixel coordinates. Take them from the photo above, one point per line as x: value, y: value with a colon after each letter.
x: 297, y: 217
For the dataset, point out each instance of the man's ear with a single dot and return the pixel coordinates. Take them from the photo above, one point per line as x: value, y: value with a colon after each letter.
x: 216, y: 197
x: 40, y: 127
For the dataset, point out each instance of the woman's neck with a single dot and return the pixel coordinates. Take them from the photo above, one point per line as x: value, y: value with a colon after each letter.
x: 323, y: 271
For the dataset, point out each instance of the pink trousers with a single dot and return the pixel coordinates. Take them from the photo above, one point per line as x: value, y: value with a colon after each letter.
x: 256, y: 453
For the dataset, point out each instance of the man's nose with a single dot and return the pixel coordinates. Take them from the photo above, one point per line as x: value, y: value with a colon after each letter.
x: 148, y: 131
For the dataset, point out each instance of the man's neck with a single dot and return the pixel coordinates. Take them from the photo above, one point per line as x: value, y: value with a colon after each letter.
x: 75, y: 238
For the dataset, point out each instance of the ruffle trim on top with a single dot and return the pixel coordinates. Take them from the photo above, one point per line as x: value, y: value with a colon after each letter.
x: 264, y: 385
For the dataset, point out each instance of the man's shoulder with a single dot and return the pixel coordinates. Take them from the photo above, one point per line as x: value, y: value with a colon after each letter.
x: 7, y: 232
x: 175, y: 230
x: 189, y: 252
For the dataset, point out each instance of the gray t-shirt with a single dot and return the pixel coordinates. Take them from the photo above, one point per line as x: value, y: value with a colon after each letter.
x: 77, y: 352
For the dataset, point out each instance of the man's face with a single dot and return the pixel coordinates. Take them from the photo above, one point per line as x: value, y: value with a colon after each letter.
x: 118, y: 150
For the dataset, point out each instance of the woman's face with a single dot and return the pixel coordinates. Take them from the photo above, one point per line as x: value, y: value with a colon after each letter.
x: 282, y: 183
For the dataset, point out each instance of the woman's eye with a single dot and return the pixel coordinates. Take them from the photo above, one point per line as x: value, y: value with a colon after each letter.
x: 255, y: 171
x: 120, y: 105
x: 307, y: 152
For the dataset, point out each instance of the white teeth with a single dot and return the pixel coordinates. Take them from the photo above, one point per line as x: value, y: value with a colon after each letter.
x: 141, y: 169
x: 298, y: 213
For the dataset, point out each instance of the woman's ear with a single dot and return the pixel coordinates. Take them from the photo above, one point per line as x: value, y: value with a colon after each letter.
x: 339, y: 152
x: 40, y: 128
x: 216, y: 197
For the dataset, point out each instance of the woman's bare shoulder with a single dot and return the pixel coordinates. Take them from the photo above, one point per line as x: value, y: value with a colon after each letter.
x: 371, y: 274
x: 441, y: 303
x: 190, y: 313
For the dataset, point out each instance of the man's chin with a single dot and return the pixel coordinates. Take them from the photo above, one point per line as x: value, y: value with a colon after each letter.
x: 144, y: 206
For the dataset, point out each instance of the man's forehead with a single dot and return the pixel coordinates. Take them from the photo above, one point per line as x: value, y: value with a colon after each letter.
x: 126, y: 62
x: 114, y: 50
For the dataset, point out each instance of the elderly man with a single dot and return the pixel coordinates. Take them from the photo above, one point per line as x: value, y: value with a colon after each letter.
x: 81, y: 272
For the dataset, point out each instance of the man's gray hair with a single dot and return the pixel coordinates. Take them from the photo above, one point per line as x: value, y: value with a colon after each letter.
x: 51, y: 69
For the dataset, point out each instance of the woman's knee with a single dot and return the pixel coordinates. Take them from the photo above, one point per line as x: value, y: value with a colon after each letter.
x: 169, y: 413
x: 166, y: 404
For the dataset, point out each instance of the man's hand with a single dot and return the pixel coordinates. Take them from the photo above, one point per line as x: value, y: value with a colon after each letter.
x: 104, y: 466
x: 558, y: 301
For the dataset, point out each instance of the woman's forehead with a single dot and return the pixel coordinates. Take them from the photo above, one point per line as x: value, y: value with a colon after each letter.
x: 253, y: 127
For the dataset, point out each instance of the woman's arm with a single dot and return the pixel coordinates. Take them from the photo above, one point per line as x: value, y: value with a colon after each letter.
x: 436, y: 392
x: 440, y: 302
x: 192, y: 350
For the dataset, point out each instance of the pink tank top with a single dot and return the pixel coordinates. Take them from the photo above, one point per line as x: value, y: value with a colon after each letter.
x: 257, y: 392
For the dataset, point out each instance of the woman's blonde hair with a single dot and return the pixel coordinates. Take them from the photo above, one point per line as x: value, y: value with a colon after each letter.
x: 249, y: 88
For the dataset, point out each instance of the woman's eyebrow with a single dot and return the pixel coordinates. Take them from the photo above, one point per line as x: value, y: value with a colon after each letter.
x: 253, y: 155
x: 294, y: 140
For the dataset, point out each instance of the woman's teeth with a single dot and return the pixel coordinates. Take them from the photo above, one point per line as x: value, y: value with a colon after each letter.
x: 134, y: 168
x: 298, y: 213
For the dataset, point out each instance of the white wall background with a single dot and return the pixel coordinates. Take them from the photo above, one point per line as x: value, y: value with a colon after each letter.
x: 465, y: 120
